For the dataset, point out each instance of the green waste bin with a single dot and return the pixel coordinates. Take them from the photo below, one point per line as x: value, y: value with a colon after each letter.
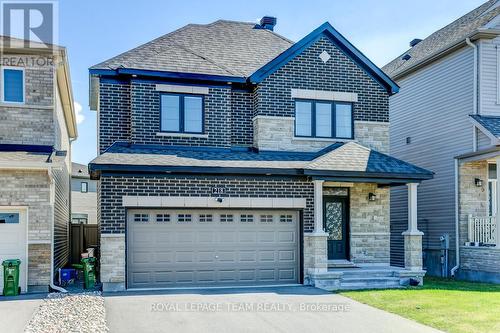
x: 89, y: 272
x: 11, y: 277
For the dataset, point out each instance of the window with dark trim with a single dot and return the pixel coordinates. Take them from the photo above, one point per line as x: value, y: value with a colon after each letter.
x: 324, y: 119
x: 182, y: 113
x: 84, y: 187
x: 12, y: 85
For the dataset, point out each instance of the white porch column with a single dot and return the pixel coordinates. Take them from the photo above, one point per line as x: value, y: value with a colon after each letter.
x: 497, y: 213
x: 318, y: 208
x: 412, y: 236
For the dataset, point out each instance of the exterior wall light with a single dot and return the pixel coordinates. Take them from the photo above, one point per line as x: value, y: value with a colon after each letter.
x: 372, y: 197
x: 478, y: 182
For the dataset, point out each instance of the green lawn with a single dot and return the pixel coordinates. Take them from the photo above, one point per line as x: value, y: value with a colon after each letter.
x: 448, y: 305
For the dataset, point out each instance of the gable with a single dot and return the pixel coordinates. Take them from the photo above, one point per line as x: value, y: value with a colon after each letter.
x: 326, y: 32
x: 308, y: 71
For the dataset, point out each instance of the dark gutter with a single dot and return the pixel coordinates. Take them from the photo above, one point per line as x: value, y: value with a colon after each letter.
x: 165, y: 74
x: 27, y: 148
x: 370, y: 175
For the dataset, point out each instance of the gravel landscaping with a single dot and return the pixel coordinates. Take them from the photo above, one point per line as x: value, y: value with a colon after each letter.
x: 70, y: 313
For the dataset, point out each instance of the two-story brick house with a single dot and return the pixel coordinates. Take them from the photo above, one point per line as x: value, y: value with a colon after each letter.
x: 230, y: 155
x: 37, y: 124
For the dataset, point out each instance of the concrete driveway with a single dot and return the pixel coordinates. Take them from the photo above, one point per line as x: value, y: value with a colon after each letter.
x: 15, y: 314
x: 284, y: 309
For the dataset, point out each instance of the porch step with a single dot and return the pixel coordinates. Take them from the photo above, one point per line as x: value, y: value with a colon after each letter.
x: 371, y: 282
x: 340, y: 264
x: 355, y: 273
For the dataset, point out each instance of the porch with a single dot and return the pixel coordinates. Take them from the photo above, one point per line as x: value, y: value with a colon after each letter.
x: 350, y: 245
x: 478, y: 206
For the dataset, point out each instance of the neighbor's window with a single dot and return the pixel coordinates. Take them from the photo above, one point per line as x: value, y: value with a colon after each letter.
x: 322, y: 119
x: 12, y: 85
x: 9, y: 218
x: 181, y: 113
x: 84, y: 187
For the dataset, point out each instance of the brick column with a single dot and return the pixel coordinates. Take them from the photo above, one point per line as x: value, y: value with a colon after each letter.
x: 413, y: 237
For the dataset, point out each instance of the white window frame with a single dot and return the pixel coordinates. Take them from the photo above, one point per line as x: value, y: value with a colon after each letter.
x: 86, y: 187
x: 2, y: 83
x: 493, y: 196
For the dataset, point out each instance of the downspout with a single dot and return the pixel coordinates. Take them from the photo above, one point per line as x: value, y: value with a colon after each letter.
x: 474, y: 148
x: 457, y: 240
x: 52, y: 201
x: 475, y: 97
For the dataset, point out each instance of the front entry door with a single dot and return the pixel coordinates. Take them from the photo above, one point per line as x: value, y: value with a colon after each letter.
x: 336, y: 219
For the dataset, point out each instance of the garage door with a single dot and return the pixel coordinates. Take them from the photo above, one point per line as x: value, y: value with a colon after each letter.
x: 203, y: 248
x: 13, y: 241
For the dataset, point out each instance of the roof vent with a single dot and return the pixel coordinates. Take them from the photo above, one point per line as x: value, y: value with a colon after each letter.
x: 415, y: 42
x: 268, y: 22
x: 406, y: 57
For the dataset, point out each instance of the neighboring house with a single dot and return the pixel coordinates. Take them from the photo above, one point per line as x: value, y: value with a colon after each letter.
x: 37, y: 125
x: 446, y: 118
x: 83, y: 196
x: 226, y: 152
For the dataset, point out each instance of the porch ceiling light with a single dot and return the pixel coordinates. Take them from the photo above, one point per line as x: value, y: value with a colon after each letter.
x: 478, y: 182
x: 372, y: 197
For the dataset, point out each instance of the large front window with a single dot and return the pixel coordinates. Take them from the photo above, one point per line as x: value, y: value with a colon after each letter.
x: 181, y: 113
x: 322, y: 119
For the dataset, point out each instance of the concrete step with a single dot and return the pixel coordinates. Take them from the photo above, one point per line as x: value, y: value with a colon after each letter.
x: 369, y: 283
x: 340, y: 264
x: 369, y: 273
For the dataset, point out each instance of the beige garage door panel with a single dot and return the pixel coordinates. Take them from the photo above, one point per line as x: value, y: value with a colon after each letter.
x: 187, y: 248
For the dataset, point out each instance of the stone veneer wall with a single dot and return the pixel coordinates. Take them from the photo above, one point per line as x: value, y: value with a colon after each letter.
x: 112, y: 261
x: 369, y: 224
x: 473, y: 199
x: 32, y: 189
x: 480, y: 264
x: 277, y: 133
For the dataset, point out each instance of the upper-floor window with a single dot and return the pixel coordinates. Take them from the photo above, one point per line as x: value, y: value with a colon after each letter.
x: 323, y: 119
x: 181, y: 113
x: 12, y: 85
x: 84, y: 187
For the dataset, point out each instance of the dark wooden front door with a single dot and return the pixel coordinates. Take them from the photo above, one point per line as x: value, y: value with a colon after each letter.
x: 335, y: 217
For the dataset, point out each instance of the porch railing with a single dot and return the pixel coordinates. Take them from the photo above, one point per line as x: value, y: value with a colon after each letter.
x: 482, y: 230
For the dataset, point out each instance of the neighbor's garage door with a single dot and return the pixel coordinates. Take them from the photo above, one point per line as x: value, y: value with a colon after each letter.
x: 13, y: 242
x: 186, y: 248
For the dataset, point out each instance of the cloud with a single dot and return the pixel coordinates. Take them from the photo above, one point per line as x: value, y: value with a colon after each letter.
x: 79, y: 113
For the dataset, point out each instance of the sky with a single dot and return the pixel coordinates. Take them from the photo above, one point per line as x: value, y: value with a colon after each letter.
x: 96, y: 30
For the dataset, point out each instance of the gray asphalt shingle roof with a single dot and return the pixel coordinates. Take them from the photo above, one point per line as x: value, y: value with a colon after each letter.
x: 350, y: 157
x: 25, y: 157
x: 444, y: 38
x: 79, y: 170
x: 223, y: 47
x: 490, y: 123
